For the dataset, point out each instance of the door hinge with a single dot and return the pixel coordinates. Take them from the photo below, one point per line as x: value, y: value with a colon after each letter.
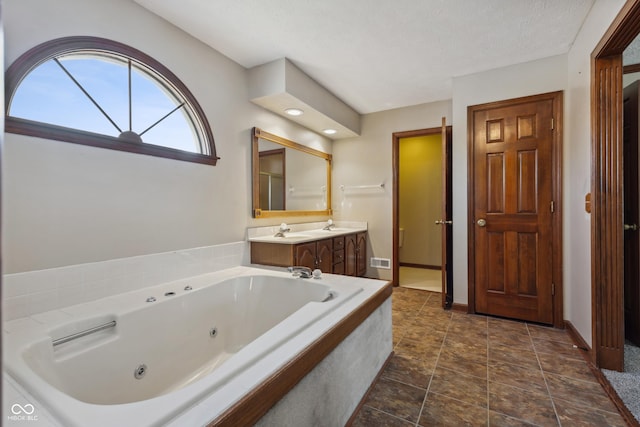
x: 553, y: 289
x: 553, y: 207
x: 553, y: 123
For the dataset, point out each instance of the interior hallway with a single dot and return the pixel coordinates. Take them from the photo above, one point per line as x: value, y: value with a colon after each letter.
x: 451, y: 368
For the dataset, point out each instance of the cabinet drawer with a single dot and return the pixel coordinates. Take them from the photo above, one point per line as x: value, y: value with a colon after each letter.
x: 338, y: 256
x: 338, y: 243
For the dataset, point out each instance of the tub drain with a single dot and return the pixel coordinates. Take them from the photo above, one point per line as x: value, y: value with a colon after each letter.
x: 140, y: 371
x: 213, y: 332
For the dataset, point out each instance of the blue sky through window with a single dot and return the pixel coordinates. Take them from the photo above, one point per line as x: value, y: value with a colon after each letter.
x: 48, y: 95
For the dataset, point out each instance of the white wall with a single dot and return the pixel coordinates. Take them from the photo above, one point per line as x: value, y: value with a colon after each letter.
x: 577, y: 167
x: 67, y: 204
x: 544, y: 75
x: 367, y: 160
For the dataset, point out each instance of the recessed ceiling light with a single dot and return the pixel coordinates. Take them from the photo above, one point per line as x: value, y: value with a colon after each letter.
x: 294, y: 111
x: 330, y: 131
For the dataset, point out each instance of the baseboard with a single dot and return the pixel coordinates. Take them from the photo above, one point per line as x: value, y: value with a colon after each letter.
x: 353, y: 416
x: 425, y: 266
x: 578, y: 341
x: 460, y: 307
x: 587, y: 354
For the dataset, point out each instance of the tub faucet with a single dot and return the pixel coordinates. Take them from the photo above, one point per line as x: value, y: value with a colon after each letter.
x: 299, y: 271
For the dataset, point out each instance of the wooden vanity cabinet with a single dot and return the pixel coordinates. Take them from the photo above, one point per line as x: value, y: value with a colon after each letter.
x: 355, y: 254
x: 318, y: 254
x: 345, y: 254
x: 361, y: 254
x: 338, y: 255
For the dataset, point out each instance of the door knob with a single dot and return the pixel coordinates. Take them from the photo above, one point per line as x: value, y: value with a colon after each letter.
x: 482, y: 222
x: 633, y: 227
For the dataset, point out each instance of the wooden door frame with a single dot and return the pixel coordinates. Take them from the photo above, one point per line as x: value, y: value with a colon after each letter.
x: 607, y: 241
x: 396, y: 189
x: 556, y: 190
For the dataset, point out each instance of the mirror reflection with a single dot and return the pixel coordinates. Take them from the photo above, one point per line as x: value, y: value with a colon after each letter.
x: 289, y: 178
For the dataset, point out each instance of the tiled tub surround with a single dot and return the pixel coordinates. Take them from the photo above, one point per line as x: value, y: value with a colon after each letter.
x: 33, y: 292
x: 204, y: 400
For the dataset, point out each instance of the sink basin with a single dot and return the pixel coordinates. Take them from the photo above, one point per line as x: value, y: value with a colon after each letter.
x: 295, y: 236
x: 288, y: 238
x: 336, y: 230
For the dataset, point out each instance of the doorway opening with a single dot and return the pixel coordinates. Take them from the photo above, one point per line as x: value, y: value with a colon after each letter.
x: 420, y: 197
x: 421, y: 207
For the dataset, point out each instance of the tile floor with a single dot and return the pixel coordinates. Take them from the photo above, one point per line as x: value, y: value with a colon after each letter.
x: 454, y: 369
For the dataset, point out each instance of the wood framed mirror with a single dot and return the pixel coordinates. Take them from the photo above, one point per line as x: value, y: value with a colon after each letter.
x: 289, y: 179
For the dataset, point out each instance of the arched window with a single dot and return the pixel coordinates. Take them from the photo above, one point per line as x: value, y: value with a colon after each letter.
x: 98, y: 92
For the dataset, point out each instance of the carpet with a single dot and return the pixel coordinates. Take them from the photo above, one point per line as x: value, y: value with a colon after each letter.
x: 627, y: 383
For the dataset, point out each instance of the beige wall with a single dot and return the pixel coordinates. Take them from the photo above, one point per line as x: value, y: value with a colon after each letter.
x: 420, y: 199
x: 68, y: 204
x: 367, y: 160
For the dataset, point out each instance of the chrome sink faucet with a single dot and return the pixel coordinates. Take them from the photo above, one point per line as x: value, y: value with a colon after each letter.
x: 329, y: 225
x: 300, y: 271
x: 283, y: 229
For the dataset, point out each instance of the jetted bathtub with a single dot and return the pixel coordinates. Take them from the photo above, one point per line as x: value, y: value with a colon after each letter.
x: 146, y: 357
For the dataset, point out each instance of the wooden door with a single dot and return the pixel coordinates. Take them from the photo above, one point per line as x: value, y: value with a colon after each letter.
x: 350, y: 260
x: 324, y: 255
x: 513, y: 208
x: 306, y: 255
x: 447, y: 224
x: 631, y: 215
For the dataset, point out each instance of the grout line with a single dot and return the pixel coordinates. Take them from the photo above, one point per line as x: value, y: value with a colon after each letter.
x: 488, y: 382
x: 386, y: 413
x: 544, y: 377
x: 435, y: 366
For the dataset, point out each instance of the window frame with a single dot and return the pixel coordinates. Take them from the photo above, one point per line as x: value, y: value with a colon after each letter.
x: 37, y: 55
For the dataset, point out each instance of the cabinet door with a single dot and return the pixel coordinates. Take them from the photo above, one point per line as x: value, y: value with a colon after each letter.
x: 361, y: 254
x: 350, y: 261
x: 338, y: 255
x: 306, y: 255
x: 324, y: 255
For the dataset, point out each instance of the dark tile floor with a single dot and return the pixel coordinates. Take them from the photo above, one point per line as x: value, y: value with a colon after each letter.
x: 455, y: 369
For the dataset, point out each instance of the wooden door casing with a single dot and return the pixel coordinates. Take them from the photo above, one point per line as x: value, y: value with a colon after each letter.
x: 607, y: 249
x: 514, y: 189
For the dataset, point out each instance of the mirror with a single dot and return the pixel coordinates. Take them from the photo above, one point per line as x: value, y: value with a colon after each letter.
x: 288, y: 178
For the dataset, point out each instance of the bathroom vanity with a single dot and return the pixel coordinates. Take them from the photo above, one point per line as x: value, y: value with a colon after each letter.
x: 338, y: 251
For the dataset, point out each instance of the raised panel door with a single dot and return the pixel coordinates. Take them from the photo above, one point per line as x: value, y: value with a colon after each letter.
x: 513, y: 208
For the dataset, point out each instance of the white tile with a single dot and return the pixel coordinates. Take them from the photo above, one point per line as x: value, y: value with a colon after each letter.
x: 16, y: 307
x: 51, y: 317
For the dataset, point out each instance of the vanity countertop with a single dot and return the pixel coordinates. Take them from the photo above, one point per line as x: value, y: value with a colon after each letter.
x: 302, y: 233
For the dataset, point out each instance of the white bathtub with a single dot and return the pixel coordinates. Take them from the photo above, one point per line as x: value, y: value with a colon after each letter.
x: 212, y: 343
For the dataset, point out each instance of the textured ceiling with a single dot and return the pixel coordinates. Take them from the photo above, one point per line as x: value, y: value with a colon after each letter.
x: 381, y: 54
